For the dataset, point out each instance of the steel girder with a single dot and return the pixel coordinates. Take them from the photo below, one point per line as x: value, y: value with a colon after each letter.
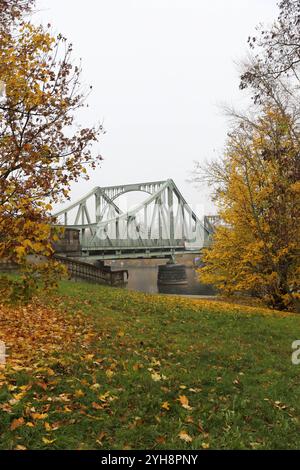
x: 164, y: 219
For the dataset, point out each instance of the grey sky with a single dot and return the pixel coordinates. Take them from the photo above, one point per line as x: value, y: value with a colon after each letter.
x: 159, y: 69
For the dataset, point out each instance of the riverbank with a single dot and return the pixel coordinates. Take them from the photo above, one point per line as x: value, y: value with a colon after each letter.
x: 96, y: 367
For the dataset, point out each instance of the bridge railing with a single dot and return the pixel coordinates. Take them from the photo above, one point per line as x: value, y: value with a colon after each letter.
x: 81, y: 270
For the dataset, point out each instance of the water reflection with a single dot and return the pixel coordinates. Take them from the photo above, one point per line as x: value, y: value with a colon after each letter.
x: 144, y: 279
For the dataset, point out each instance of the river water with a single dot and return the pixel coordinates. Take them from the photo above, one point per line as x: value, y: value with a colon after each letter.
x: 144, y: 279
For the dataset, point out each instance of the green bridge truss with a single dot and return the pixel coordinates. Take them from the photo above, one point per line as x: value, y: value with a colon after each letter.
x: 161, y: 226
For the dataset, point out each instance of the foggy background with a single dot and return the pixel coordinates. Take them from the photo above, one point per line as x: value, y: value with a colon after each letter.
x: 159, y: 70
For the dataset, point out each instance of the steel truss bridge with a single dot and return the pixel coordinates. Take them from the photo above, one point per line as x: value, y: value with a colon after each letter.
x: 161, y: 226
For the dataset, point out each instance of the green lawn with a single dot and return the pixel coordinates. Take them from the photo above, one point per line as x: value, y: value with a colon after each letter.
x: 155, y: 372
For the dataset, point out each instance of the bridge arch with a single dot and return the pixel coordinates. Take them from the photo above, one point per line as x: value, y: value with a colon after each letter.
x: 117, y: 199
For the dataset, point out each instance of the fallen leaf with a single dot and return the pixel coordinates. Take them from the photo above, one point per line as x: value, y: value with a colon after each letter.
x: 189, y: 420
x: 184, y: 436
x: 205, y: 445
x: 97, y: 406
x: 104, y: 397
x: 16, y: 423
x: 109, y: 373
x: 39, y: 415
x: 48, y: 441
x: 43, y: 385
x: 155, y: 362
x: 184, y: 401
x: 100, y: 438
x: 155, y: 376
x: 165, y: 405
x: 200, y: 426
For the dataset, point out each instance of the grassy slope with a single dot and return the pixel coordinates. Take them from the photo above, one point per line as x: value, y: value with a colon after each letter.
x: 232, y: 363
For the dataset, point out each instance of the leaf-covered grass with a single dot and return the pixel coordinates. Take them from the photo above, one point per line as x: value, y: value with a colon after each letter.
x: 103, y: 368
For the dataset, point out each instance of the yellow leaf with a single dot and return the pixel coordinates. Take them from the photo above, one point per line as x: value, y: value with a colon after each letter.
x: 89, y: 357
x: 24, y: 388
x: 155, y: 376
x: 184, y: 401
x: 104, y: 397
x: 109, y: 373
x: 184, y: 436
x: 20, y: 250
x: 47, y: 441
x: 155, y: 362
x: 165, y: 405
x: 205, y: 445
x: 19, y: 396
x: 96, y: 385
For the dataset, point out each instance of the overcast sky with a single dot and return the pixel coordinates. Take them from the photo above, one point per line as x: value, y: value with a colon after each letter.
x: 159, y: 69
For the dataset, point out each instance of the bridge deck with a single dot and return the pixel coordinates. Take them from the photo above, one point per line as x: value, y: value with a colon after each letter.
x: 110, y: 254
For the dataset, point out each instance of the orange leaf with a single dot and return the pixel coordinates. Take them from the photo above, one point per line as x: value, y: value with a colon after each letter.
x: 39, y: 415
x: 96, y: 406
x: 184, y: 401
x: 16, y: 423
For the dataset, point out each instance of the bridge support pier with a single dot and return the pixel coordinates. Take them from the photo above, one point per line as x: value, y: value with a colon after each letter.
x: 172, y: 273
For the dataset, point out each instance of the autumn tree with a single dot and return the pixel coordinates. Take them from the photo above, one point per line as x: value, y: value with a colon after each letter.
x: 41, y: 149
x: 275, y: 53
x: 255, y: 250
x: 12, y: 11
